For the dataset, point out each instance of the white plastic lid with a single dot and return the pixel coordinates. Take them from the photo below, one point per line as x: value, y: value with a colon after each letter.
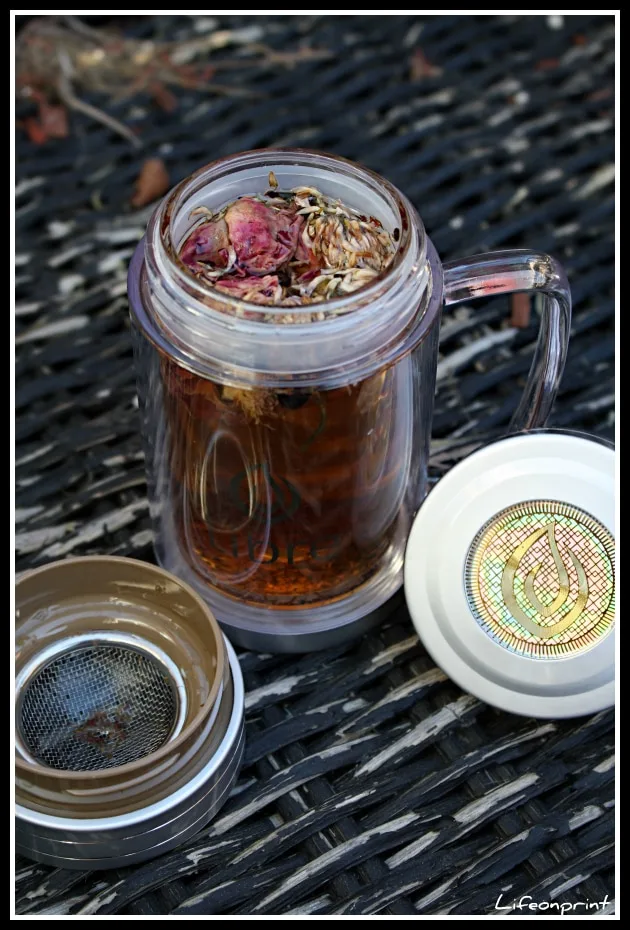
x: 509, y: 574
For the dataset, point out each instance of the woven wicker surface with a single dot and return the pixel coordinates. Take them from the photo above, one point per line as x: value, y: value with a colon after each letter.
x: 371, y: 783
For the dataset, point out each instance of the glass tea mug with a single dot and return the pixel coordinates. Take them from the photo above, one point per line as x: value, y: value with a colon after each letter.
x: 286, y: 458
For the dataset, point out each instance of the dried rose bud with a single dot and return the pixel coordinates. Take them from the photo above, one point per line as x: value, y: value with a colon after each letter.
x: 208, y: 243
x: 263, y: 238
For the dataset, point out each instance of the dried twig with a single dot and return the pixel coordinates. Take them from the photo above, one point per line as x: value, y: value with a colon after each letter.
x: 288, y: 59
x: 60, y: 57
x: 68, y: 96
x: 73, y: 22
x: 105, y: 62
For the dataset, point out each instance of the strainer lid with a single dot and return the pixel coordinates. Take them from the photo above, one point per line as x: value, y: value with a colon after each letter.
x: 510, y: 576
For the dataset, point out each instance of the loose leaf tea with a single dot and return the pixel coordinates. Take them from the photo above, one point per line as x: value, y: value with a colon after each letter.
x: 288, y: 249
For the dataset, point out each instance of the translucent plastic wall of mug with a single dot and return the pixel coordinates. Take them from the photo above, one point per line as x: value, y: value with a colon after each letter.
x: 286, y: 462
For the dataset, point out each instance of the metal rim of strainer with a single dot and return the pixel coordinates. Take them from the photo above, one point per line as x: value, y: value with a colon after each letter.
x: 180, y: 736
x: 29, y: 674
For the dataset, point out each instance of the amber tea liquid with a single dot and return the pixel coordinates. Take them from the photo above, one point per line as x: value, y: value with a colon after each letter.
x: 287, y: 497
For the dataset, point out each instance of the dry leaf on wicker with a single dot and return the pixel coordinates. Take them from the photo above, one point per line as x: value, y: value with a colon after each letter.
x: 152, y: 182
x: 420, y: 67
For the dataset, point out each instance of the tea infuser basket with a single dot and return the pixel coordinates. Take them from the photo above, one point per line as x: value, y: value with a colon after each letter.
x: 128, y: 717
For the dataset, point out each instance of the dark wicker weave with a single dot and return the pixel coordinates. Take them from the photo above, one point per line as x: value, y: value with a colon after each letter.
x: 371, y: 783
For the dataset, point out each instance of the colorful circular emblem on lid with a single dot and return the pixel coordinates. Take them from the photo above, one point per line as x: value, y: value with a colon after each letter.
x: 540, y: 579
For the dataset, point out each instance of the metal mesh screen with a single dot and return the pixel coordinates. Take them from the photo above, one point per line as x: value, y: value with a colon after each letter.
x: 97, y: 707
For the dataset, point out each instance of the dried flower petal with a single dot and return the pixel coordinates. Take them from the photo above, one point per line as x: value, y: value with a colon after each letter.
x: 207, y: 243
x: 263, y: 238
x: 259, y: 290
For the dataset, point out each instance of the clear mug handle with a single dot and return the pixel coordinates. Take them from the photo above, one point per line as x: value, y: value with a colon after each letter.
x: 535, y: 272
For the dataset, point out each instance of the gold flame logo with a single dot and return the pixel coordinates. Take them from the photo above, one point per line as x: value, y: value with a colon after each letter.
x: 540, y: 579
x: 544, y: 611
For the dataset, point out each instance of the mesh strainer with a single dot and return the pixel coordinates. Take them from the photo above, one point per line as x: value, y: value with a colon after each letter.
x: 128, y: 721
x: 98, y: 703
